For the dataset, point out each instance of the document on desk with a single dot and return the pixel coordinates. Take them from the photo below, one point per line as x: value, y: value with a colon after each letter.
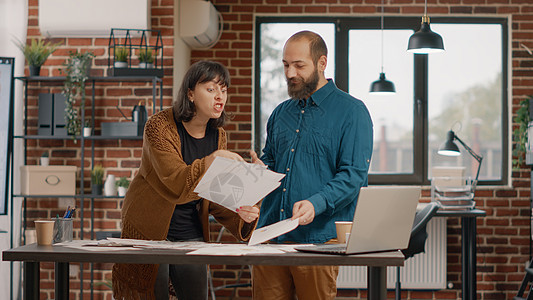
x: 233, y: 184
x: 243, y: 249
x: 269, y: 232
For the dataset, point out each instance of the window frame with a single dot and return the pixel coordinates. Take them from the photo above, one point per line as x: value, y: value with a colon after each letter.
x: 420, y: 127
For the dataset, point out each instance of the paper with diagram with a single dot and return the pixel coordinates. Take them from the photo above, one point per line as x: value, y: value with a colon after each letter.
x: 233, y: 184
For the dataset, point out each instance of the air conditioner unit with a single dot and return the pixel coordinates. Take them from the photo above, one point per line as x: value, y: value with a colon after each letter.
x: 95, y: 18
x: 200, y: 24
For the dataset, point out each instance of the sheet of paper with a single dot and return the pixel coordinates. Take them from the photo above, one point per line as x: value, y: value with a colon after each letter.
x: 236, y: 250
x: 266, y: 233
x: 233, y: 184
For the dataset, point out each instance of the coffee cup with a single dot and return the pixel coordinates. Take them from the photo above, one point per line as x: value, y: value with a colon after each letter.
x: 343, y: 227
x: 44, y: 230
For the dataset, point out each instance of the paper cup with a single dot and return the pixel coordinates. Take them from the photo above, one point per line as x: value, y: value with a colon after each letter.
x: 45, y: 230
x: 343, y: 227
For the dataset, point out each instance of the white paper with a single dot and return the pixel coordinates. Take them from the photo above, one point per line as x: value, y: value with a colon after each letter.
x: 236, y: 250
x: 233, y: 184
x: 266, y: 233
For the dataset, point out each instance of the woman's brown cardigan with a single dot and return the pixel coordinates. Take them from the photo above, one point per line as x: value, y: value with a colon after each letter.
x: 163, y: 181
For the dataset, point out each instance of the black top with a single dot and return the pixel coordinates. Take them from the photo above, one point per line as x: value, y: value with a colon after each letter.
x: 185, y: 223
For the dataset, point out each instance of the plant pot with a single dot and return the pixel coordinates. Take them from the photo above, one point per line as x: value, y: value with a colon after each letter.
x: 86, y: 131
x: 122, y: 191
x: 120, y: 64
x: 45, y: 161
x: 35, y: 70
x: 96, y: 189
x: 144, y: 65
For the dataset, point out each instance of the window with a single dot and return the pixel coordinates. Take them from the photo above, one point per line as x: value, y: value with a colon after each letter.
x: 463, y: 89
x: 273, y: 87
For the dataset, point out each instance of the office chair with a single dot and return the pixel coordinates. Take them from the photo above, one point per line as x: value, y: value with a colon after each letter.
x: 417, y: 241
x: 528, y: 278
x: 234, y: 286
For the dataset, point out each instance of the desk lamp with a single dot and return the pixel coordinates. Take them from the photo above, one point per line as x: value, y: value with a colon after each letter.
x: 449, y: 148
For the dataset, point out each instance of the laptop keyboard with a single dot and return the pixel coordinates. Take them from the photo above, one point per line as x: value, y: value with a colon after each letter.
x: 328, y: 248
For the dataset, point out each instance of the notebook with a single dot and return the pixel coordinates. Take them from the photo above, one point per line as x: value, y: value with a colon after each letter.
x: 382, y: 221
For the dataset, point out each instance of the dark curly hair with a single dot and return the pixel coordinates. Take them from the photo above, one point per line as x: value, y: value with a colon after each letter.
x: 200, y: 72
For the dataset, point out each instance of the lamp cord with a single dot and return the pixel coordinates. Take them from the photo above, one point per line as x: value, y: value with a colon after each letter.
x: 382, y: 46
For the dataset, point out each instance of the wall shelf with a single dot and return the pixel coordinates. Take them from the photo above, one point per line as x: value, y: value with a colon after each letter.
x: 68, y: 196
x: 89, y: 147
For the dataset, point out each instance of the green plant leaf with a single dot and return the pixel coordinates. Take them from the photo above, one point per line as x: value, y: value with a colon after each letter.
x: 37, y: 51
x: 521, y: 120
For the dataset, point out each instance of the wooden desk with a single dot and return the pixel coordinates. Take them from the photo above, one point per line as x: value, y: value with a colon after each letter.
x: 468, y: 247
x: 32, y: 254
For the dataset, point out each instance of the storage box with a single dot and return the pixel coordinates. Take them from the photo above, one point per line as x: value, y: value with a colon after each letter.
x: 49, y: 180
x: 454, y: 197
x: 122, y: 129
x: 447, y: 176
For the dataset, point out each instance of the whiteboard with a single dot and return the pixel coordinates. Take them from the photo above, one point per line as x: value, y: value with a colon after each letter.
x: 6, y: 104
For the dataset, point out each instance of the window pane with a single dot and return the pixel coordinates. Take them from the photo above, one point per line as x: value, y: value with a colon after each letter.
x: 392, y: 115
x: 273, y: 85
x: 465, y: 95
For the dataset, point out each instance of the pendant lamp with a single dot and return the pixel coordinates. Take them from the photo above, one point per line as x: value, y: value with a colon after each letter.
x: 382, y: 86
x: 425, y: 41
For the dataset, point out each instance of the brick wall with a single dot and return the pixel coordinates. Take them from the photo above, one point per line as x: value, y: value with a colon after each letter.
x: 120, y: 158
x: 503, y: 236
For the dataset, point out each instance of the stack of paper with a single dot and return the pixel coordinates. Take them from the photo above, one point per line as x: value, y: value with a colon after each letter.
x: 233, y: 184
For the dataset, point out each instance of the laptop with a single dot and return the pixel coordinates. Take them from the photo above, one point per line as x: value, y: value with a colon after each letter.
x: 383, y: 220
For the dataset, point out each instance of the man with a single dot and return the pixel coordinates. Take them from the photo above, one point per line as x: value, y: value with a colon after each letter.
x: 321, y: 139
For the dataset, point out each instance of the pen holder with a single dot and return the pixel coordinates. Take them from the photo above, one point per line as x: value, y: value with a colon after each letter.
x: 62, y: 230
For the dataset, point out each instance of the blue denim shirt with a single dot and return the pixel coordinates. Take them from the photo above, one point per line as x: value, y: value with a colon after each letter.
x: 324, y: 146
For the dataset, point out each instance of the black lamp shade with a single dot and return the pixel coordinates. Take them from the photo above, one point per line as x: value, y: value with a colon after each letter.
x: 382, y: 86
x: 449, y: 148
x: 425, y: 41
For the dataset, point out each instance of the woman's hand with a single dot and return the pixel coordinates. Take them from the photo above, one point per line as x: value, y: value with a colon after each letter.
x: 248, y: 213
x: 255, y: 159
x: 222, y: 153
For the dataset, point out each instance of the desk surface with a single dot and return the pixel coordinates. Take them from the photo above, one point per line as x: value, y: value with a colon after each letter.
x: 461, y: 213
x: 35, y: 253
x: 455, y: 213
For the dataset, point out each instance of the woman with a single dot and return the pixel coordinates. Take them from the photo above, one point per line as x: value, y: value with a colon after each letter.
x: 179, y: 145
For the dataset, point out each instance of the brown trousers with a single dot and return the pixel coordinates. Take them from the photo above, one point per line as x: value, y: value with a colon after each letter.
x: 294, y: 282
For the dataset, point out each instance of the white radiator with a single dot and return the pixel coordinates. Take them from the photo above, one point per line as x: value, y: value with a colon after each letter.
x: 422, y: 271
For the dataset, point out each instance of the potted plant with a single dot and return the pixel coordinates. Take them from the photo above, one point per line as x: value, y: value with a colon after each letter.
x: 107, y: 283
x: 121, y: 57
x: 520, y: 133
x: 122, y: 183
x: 87, y: 128
x: 45, y: 159
x: 97, y: 178
x: 36, y: 53
x: 77, y: 72
x: 146, y: 58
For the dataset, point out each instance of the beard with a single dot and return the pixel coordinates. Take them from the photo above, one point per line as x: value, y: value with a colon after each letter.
x: 300, y: 89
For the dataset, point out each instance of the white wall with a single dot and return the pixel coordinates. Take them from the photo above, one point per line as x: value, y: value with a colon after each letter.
x: 182, y: 52
x: 13, y: 25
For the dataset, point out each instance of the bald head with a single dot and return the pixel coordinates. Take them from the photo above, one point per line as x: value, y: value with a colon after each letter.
x: 317, y: 46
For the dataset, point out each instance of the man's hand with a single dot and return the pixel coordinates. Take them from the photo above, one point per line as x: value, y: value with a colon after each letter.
x: 305, y: 211
x: 255, y: 159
